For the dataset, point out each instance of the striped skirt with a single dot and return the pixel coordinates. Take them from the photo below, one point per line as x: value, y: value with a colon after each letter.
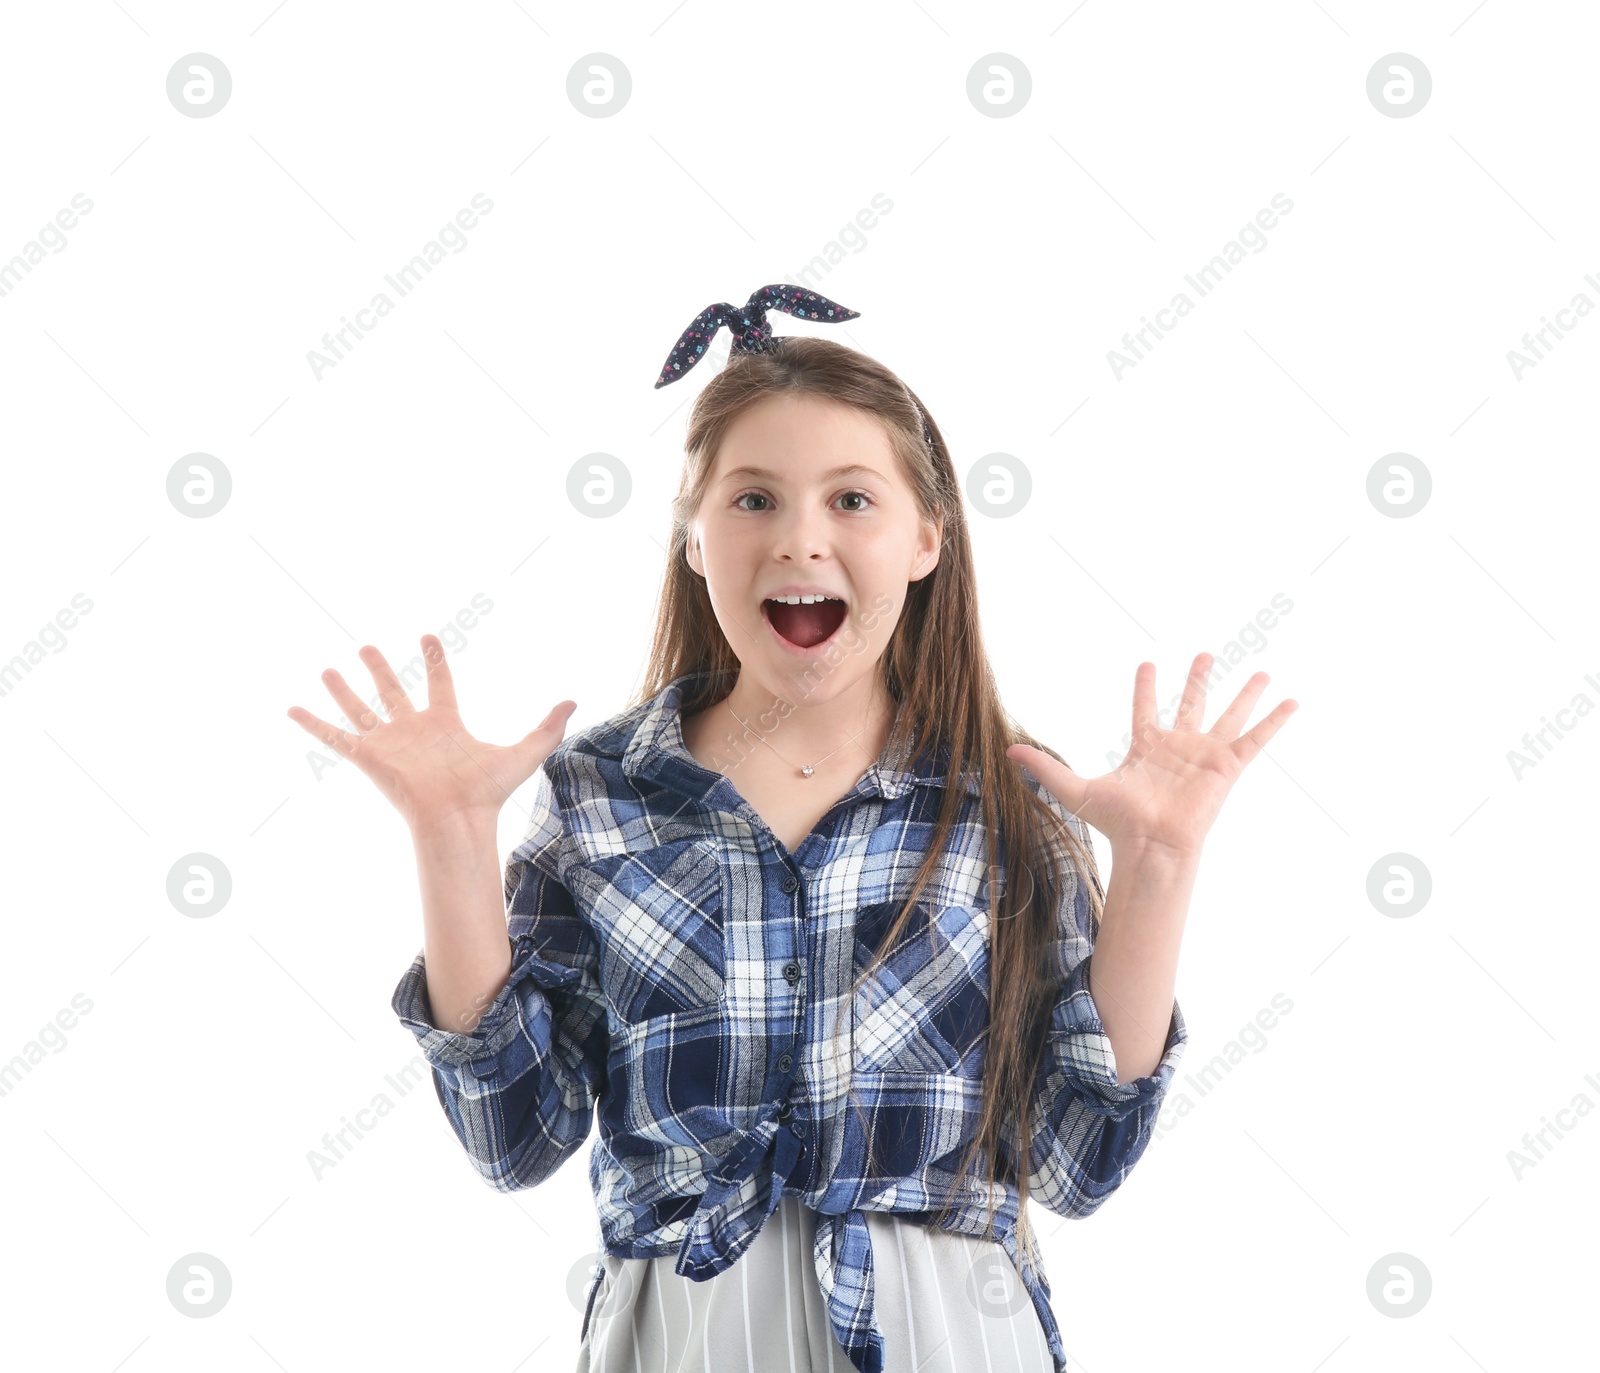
x: 765, y: 1313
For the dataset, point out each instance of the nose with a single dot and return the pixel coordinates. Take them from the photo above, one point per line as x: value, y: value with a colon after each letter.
x: 802, y: 534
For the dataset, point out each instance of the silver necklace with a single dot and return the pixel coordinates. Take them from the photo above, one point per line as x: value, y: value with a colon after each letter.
x: 810, y: 767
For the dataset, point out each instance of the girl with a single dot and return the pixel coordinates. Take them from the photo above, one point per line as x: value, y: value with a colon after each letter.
x: 797, y: 920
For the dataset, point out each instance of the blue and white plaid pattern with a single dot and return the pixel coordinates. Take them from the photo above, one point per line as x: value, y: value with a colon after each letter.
x: 674, y: 963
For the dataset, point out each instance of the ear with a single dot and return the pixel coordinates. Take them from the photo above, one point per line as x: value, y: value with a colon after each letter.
x: 691, y: 553
x: 927, y: 551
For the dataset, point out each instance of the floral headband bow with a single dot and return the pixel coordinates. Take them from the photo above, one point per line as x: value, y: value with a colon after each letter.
x: 751, y: 332
x: 748, y: 325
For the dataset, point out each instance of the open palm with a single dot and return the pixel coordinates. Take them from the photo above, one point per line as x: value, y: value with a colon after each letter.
x: 1167, y: 790
x: 424, y: 761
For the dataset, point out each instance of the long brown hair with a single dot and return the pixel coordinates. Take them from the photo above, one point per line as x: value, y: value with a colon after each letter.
x: 936, y: 669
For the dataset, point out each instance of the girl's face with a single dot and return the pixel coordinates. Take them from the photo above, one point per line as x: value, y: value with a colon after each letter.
x: 806, y: 496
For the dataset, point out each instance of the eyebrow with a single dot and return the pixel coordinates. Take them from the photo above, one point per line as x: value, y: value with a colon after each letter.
x: 832, y: 474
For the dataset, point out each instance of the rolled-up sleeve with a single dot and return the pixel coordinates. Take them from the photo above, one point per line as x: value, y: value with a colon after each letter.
x: 519, y: 1090
x: 1088, y: 1129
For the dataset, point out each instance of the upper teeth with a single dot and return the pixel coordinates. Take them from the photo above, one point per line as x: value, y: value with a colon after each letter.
x: 801, y: 600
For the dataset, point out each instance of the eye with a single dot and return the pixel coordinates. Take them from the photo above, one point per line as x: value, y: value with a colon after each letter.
x: 738, y: 501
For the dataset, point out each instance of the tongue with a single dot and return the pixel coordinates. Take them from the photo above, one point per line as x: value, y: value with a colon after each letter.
x: 805, y: 625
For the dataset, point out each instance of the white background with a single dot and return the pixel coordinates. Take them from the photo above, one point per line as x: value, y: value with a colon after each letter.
x: 1377, y: 1116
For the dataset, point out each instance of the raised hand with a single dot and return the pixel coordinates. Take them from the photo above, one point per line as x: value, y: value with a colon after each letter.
x: 424, y: 761
x: 1168, y: 789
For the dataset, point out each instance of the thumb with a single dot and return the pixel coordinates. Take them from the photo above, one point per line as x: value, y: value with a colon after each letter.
x: 1059, y: 779
x: 535, y: 746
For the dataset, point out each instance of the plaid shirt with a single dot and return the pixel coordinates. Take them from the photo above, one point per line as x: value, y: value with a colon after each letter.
x: 672, y: 961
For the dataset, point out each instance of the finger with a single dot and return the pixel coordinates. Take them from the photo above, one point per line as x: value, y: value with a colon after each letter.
x: 1256, y: 739
x: 335, y: 738
x: 390, y: 692
x: 536, y: 744
x: 1231, y: 721
x: 1146, y: 728
x: 1058, y: 779
x: 1192, y: 708
x: 441, y: 685
x: 357, y: 711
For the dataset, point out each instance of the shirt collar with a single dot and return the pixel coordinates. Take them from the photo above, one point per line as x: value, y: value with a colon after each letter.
x: 658, y: 737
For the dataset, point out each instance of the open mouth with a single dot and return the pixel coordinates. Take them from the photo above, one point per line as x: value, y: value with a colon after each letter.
x: 804, y: 626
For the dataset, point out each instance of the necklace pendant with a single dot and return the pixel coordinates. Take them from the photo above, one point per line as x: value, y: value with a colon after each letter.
x: 807, y: 771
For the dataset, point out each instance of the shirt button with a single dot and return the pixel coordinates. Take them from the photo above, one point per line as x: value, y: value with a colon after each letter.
x: 792, y: 972
x: 791, y: 883
x: 784, y: 1060
x: 799, y: 1130
x: 785, y: 1110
